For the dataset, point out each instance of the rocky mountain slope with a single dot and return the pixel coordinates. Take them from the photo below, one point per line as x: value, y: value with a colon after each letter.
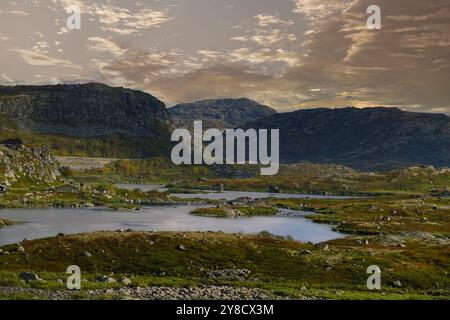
x: 88, y: 110
x: 371, y: 138
x: 221, y: 113
x: 20, y: 164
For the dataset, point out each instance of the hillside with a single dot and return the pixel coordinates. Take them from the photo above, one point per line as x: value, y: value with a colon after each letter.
x: 87, y: 110
x: 221, y: 113
x: 85, y: 120
x: 369, y: 139
x: 23, y: 165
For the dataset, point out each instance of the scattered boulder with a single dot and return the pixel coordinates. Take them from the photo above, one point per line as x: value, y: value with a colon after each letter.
x: 29, y: 276
x: 106, y: 279
x: 86, y: 254
x: 274, y: 189
x: 230, y: 274
x: 181, y: 247
x: 322, y: 246
x: 125, y: 281
x: 397, y: 283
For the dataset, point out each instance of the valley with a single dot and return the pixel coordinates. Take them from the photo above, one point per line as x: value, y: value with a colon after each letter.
x: 107, y: 198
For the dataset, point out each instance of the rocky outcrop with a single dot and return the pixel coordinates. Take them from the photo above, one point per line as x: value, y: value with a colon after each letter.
x: 28, y: 165
x: 221, y: 113
x: 88, y: 110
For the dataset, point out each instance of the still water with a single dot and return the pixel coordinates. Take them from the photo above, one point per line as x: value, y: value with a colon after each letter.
x: 48, y: 222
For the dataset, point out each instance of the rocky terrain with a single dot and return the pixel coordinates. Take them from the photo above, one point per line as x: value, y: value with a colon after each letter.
x: 84, y: 163
x: 147, y: 293
x: 221, y: 113
x: 369, y: 139
x: 20, y: 164
x: 88, y: 110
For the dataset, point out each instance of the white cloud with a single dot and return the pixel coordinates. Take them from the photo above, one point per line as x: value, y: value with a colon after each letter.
x: 117, y: 19
x: 19, y: 13
x: 100, y: 44
x: 39, y: 59
x: 6, y: 79
x: 266, y: 20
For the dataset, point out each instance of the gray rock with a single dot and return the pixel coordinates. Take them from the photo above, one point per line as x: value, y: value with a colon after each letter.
x: 29, y: 276
x: 86, y: 254
x: 230, y: 274
x: 106, y: 279
x: 125, y: 281
x: 397, y: 283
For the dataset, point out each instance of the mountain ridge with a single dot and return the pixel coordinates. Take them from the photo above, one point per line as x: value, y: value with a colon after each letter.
x: 116, y: 122
x: 375, y: 138
x: 83, y: 110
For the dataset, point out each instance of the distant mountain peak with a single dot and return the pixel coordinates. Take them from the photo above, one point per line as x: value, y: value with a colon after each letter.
x: 219, y: 113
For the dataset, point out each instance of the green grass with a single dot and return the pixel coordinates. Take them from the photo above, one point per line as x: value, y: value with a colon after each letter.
x: 386, y: 215
x: 6, y: 223
x: 234, y: 211
x: 278, y: 265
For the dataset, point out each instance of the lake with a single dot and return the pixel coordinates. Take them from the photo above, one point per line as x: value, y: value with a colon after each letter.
x: 48, y: 222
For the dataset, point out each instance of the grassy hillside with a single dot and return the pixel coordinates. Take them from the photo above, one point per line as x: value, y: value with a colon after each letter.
x: 283, y: 267
x: 103, y: 147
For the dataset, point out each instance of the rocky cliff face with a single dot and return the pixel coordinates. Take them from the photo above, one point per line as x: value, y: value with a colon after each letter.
x: 371, y: 139
x: 222, y: 113
x: 26, y: 165
x: 89, y: 110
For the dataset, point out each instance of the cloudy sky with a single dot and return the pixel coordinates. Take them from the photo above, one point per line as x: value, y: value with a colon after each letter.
x: 288, y: 54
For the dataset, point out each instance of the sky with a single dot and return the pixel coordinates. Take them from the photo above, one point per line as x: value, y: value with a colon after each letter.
x: 288, y: 54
